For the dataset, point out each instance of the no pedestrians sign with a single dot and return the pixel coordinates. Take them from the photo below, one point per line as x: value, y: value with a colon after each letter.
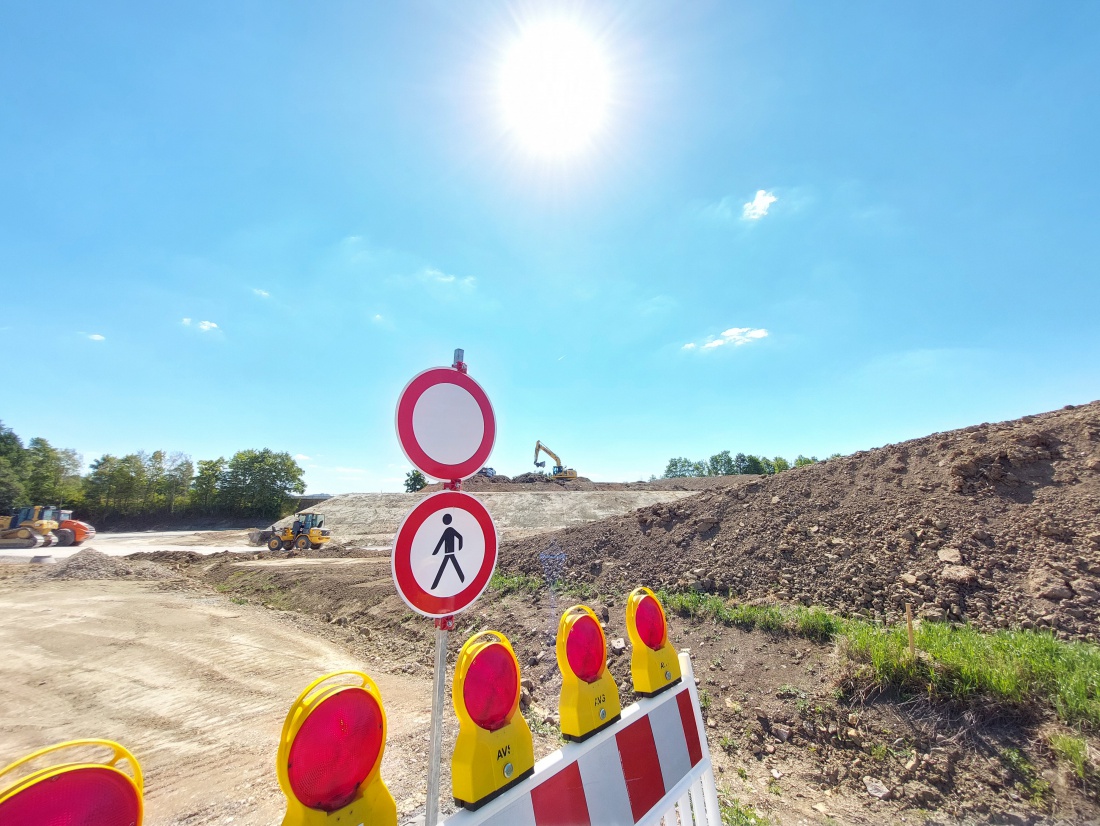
x: 444, y: 554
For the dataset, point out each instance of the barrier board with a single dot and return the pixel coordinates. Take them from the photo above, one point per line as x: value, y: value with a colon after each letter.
x: 651, y: 767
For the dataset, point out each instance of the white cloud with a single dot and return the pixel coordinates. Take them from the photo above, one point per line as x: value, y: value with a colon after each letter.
x: 97, y: 337
x: 736, y: 336
x: 377, y: 318
x: 301, y: 457
x: 187, y: 322
x: 437, y: 276
x: 206, y: 326
x: 757, y: 208
x: 261, y: 293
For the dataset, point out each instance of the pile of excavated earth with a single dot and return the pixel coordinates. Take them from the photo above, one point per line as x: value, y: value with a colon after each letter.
x: 997, y: 525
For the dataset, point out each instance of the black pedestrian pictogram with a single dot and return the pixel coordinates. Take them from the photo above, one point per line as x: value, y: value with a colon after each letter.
x: 447, y: 543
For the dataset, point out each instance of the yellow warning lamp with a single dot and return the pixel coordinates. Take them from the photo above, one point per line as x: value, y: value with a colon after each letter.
x: 330, y: 754
x: 86, y: 791
x: 493, y: 750
x: 589, y: 698
x: 654, y: 665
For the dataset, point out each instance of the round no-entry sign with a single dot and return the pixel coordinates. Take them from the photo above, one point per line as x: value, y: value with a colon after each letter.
x: 444, y: 553
x: 445, y: 423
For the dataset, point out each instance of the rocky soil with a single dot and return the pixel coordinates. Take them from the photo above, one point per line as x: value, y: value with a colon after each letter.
x: 996, y: 524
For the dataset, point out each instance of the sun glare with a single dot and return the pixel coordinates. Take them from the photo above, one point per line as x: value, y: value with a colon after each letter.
x: 555, y: 88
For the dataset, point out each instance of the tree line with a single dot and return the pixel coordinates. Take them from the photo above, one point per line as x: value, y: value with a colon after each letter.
x: 251, y: 483
x: 725, y: 464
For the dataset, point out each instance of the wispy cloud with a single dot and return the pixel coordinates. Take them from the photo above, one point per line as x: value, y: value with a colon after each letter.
x: 301, y: 457
x: 377, y: 318
x: 734, y: 336
x: 96, y: 337
x: 758, y: 207
x: 203, y: 326
x: 261, y: 293
x: 437, y: 276
x: 729, y: 209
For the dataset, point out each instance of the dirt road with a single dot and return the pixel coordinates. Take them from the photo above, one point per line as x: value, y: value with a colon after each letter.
x: 195, y: 685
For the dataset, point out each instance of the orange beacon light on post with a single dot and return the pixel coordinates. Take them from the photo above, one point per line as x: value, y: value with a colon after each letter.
x: 589, y: 698
x: 493, y: 750
x: 330, y: 754
x: 654, y: 665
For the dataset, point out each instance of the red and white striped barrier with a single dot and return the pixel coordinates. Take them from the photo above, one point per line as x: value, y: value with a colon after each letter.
x: 651, y: 767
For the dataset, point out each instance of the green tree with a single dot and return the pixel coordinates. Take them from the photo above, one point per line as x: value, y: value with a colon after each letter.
x: 768, y: 465
x: 12, y: 450
x: 753, y: 465
x: 51, y: 475
x: 204, y: 488
x: 153, y: 489
x: 414, y: 481
x: 781, y: 464
x: 802, y: 461
x: 11, y: 486
x: 260, y: 482
x: 720, y: 464
x: 680, y: 467
x: 178, y: 472
x: 99, y: 494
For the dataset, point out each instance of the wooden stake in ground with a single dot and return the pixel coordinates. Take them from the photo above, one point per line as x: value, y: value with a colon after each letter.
x: 909, y: 625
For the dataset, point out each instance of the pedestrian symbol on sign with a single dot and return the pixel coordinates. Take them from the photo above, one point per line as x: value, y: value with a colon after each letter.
x: 447, y: 543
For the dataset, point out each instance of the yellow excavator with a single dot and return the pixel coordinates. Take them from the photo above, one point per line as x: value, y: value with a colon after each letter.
x: 558, y: 471
x: 42, y: 527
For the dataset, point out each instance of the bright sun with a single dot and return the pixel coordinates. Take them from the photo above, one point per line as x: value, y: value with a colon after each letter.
x: 555, y: 88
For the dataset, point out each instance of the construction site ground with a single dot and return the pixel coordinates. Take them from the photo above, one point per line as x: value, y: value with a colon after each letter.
x: 192, y: 656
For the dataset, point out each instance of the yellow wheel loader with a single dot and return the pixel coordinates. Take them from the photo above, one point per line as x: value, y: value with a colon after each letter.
x: 307, y: 531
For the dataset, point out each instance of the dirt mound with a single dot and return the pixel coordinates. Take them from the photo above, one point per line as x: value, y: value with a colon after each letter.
x: 91, y: 564
x: 534, y: 482
x: 995, y: 524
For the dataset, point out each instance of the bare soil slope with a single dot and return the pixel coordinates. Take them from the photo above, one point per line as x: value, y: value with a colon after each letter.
x: 995, y: 524
x: 372, y: 519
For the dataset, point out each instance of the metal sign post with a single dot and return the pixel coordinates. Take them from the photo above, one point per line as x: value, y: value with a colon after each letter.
x: 446, y: 427
x: 435, y: 748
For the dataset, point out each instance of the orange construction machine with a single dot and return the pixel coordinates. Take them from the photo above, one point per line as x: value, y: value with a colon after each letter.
x: 40, y: 526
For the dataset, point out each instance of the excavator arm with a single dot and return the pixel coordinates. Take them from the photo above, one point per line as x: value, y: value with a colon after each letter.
x: 540, y: 446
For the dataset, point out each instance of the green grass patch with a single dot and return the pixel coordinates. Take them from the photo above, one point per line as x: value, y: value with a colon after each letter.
x: 515, y: 583
x: 960, y: 663
x: 956, y: 663
x: 736, y: 813
x: 1028, y: 782
x: 812, y: 623
x: 1074, y: 750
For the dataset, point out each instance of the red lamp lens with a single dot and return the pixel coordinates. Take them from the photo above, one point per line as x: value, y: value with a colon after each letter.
x: 335, y: 749
x: 584, y: 648
x: 649, y: 619
x: 81, y: 797
x: 491, y: 687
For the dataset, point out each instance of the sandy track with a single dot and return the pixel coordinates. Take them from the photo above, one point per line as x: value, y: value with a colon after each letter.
x: 196, y: 686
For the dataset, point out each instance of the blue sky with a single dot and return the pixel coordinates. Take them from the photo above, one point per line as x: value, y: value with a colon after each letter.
x: 335, y: 188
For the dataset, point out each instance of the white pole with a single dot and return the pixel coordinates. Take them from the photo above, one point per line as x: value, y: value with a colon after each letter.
x: 435, y: 750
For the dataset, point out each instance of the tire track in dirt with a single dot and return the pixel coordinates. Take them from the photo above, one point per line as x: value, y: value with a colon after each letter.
x: 195, y: 686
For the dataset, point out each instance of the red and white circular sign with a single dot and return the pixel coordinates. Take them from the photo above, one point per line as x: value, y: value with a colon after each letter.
x: 445, y: 424
x: 444, y: 553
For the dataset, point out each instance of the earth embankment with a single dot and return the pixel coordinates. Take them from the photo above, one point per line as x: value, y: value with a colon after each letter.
x: 994, y: 524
